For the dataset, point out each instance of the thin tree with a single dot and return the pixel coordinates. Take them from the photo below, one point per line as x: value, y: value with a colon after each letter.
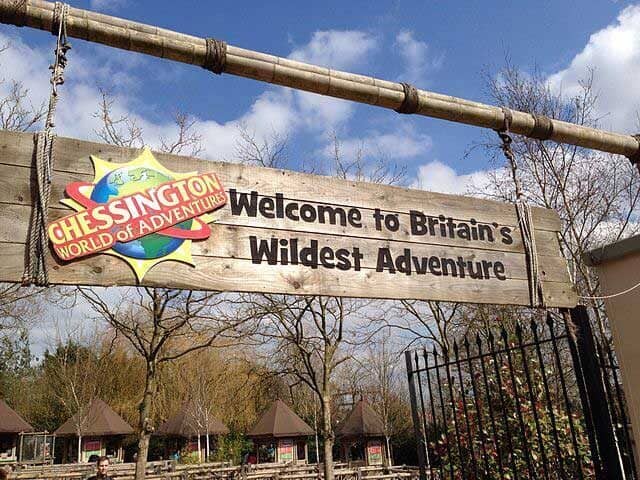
x: 162, y: 326
x: 597, y: 195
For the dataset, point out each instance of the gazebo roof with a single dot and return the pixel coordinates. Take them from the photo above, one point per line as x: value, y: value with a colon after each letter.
x: 280, y: 421
x: 100, y: 420
x: 363, y: 421
x: 10, y: 421
x: 185, y: 424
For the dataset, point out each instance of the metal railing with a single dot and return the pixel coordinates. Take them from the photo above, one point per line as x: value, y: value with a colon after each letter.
x: 518, y: 403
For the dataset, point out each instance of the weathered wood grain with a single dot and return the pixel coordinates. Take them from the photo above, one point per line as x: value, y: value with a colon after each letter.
x: 232, y: 241
x: 73, y: 156
x: 227, y: 274
x: 15, y: 188
x: 224, y: 261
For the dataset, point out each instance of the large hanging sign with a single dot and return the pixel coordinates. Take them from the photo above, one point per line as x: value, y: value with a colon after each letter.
x: 241, y: 228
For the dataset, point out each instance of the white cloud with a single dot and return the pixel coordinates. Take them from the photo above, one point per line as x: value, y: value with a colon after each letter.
x: 278, y: 111
x: 415, y: 54
x: 338, y: 49
x: 341, y: 50
x: 399, y: 144
x: 435, y: 176
x: 614, y: 54
x: 107, y: 5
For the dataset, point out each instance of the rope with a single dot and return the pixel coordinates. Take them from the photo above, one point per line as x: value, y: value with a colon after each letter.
x: 635, y: 158
x: 35, y: 271
x: 613, y: 295
x: 542, y: 128
x: 15, y: 14
x: 216, y: 57
x: 411, y: 102
x: 525, y: 217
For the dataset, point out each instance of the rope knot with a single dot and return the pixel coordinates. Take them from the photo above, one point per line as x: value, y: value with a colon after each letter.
x: 411, y: 102
x: 215, y: 58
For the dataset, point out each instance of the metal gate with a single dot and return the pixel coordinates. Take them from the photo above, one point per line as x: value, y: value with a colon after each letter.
x: 540, y: 400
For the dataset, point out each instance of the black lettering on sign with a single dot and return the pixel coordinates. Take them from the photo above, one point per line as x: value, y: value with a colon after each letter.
x: 457, y: 267
x: 248, y: 204
x: 285, y: 251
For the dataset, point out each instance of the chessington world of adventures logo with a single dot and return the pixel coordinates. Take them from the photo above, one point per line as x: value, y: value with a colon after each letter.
x: 138, y: 211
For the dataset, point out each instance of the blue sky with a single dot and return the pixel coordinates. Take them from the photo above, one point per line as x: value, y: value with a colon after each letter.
x: 439, y: 46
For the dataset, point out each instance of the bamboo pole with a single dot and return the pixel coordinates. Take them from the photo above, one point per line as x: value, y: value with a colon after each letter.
x: 158, y: 42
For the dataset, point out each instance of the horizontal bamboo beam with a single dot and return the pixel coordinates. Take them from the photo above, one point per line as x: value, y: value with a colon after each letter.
x: 158, y: 42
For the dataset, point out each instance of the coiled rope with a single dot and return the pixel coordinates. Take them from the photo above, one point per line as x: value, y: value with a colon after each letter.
x: 35, y: 271
x: 525, y: 217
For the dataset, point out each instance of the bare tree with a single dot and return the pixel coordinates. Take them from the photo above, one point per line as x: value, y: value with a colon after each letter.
x: 17, y: 113
x: 162, y: 326
x: 310, y: 339
x: 386, y: 392
x: 71, y: 368
x: 596, y: 194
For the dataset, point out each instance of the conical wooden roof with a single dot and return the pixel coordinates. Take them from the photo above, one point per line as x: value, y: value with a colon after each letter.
x: 280, y: 421
x: 363, y: 421
x: 100, y: 420
x: 10, y: 421
x: 185, y: 424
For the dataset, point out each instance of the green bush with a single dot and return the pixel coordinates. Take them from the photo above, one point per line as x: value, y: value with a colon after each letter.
x: 231, y: 447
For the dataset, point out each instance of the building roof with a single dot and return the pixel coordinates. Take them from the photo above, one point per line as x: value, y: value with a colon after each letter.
x: 185, y: 424
x: 100, y: 420
x: 363, y: 421
x: 613, y: 251
x: 10, y: 421
x: 280, y: 421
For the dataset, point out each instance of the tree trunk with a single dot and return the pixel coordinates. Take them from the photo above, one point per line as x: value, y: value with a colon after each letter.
x: 144, y: 423
x: 79, y: 448
x: 389, y: 457
x: 328, y: 437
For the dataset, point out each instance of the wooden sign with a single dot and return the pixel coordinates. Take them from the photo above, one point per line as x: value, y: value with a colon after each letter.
x: 287, y: 232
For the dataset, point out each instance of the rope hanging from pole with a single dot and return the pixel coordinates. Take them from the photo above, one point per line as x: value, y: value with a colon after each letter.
x: 523, y: 211
x: 35, y: 271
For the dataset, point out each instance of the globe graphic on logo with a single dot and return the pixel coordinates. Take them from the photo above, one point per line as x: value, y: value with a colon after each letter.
x: 129, y: 180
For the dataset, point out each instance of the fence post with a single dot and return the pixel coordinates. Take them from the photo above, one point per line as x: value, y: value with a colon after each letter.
x: 421, y: 444
x: 605, y: 454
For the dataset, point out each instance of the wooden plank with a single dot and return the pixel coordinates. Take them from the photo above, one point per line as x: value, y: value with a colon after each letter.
x: 230, y: 241
x: 73, y: 156
x: 211, y: 273
x: 351, y: 250
x: 13, y: 185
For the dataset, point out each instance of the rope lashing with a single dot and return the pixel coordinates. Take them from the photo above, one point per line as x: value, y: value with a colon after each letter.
x: 35, y: 271
x: 635, y: 158
x: 411, y: 102
x: 216, y: 56
x: 525, y: 217
x: 16, y: 14
x: 542, y: 128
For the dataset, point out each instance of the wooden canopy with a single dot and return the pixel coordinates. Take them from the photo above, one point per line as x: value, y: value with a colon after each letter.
x: 99, y: 420
x: 279, y: 421
x: 185, y: 424
x: 10, y: 421
x: 363, y: 421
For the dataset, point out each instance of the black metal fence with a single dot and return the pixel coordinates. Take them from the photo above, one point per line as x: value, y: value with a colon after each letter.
x: 519, y: 404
